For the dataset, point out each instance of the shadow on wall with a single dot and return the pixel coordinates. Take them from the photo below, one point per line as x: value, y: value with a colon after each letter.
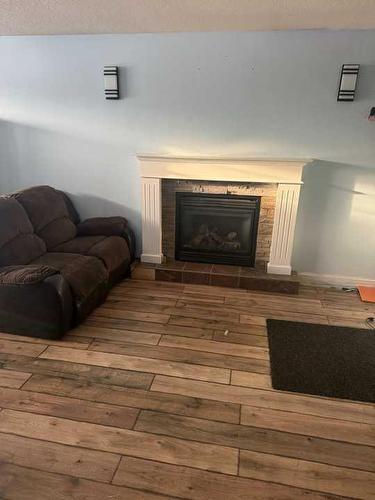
x: 335, y: 231
x: 36, y: 154
x: 101, y: 177
x: 6, y: 144
x: 95, y: 174
x: 93, y: 206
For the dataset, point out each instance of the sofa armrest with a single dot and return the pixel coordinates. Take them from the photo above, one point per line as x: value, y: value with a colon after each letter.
x: 35, y: 301
x: 130, y: 240
x: 102, y: 226
x: 108, y: 226
x: 25, y: 275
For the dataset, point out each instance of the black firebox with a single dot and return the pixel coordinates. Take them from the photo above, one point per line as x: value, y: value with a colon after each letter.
x: 217, y: 228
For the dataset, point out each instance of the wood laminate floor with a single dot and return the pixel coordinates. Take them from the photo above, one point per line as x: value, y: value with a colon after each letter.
x: 164, y: 392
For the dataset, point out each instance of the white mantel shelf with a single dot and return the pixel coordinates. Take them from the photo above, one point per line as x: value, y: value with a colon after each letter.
x: 262, y: 170
x: 286, y: 173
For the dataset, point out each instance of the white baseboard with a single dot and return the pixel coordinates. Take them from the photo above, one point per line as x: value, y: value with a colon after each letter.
x: 152, y: 259
x: 278, y: 269
x: 334, y: 280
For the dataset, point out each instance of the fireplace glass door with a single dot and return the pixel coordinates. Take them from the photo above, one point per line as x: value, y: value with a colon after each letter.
x: 217, y: 228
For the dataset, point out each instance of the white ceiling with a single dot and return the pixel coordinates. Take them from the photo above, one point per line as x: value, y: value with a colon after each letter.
x: 37, y: 17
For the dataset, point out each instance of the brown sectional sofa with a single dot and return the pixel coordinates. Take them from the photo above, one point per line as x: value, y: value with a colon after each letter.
x: 54, y: 269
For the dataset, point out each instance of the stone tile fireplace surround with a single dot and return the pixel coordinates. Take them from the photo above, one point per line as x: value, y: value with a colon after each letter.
x: 277, y: 182
x: 267, y: 192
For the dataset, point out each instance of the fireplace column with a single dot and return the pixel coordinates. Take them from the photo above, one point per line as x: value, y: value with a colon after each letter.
x: 151, y: 220
x: 283, y: 229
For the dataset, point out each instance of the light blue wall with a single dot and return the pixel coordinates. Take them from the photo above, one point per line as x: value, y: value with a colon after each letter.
x: 267, y: 94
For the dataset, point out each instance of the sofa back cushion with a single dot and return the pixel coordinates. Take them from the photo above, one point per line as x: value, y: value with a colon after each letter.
x: 48, y: 213
x: 73, y: 214
x: 18, y: 243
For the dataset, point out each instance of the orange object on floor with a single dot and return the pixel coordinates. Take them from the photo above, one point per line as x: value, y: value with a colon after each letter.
x: 367, y: 293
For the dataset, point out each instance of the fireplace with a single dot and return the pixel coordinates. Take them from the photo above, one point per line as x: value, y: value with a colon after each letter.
x: 216, y: 228
x: 278, y: 213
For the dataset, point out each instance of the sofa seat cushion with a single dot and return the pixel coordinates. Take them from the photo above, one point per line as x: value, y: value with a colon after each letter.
x: 113, y: 251
x: 84, y: 274
x: 80, y: 245
x: 48, y: 213
x: 18, y: 243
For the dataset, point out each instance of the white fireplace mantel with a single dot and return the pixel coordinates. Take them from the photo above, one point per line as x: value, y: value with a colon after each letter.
x: 286, y: 173
x: 223, y: 169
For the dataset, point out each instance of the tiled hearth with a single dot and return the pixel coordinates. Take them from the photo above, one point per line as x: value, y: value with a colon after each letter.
x: 216, y: 275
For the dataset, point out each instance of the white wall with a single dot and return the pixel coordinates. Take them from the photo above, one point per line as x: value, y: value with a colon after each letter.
x: 235, y: 94
x: 336, y: 221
